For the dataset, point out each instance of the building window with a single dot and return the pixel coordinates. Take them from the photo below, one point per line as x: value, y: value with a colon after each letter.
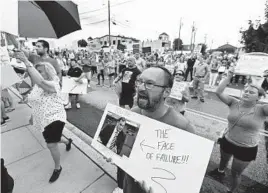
x: 130, y: 42
x: 105, y: 43
x: 113, y: 42
x: 101, y: 42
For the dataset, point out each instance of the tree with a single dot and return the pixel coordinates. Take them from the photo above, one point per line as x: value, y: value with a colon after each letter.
x: 255, y: 38
x: 89, y: 38
x: 82, y: 43
x: 177, y: 44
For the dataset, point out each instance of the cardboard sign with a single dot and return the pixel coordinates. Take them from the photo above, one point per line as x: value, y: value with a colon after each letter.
x: 69, y: 85
x: 167, y: 156
x: 252, y: 64
x: 8, y: 76
x: 177, y: 89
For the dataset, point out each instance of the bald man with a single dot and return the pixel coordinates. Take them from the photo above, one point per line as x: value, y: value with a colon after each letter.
x: 128, y: 76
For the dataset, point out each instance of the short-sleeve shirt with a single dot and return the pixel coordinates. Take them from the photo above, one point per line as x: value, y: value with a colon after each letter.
x: 46, y: 107
x: 129, y: 77
x: 35, y: 59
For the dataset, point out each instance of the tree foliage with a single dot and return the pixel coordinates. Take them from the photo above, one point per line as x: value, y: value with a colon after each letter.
x: 82, y: 43
x: 177, y: 44
x: 255, y: 40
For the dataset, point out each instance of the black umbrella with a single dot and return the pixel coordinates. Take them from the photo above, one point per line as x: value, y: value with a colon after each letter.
x: 48, y: 19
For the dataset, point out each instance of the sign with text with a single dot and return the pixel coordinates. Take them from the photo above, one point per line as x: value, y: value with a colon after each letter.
x: 69, y: 85
x: 169, y: 157
x: 177, y: 89
x: 252, y: 64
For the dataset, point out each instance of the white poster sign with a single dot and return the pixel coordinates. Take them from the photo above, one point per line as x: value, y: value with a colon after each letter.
x: 69, y: 85
x: 8, y: 76
x: 177, y: 89
x: 197, y: 49
x: 169, y: 157
x: 252, y: 64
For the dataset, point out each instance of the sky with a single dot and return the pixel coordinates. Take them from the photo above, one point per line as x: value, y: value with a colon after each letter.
x: 220, y: 21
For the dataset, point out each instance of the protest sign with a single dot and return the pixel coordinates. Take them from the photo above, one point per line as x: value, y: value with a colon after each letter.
x: 252, y: 64
x: 177, y: 89
x: 69, y: 85
x: 8, y: 75
x: 169, y: 157
x: 197, y: 49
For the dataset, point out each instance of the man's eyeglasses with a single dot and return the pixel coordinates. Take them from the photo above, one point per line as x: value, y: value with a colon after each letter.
x: 148, y: 85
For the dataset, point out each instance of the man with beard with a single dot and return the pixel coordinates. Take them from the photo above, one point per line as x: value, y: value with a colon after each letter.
x: 153, y: 87
x: 128, y: 76
x: 42, y: 49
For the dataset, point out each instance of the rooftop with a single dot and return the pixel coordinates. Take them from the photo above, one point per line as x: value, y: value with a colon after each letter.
x: 119, y: 36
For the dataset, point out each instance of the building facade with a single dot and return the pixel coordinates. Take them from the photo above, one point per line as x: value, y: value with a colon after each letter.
x: 115, y: 41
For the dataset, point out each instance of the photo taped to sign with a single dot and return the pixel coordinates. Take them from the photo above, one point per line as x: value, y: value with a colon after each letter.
x: 118, y: 134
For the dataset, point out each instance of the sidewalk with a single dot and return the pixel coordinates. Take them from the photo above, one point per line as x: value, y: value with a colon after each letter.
x: 84, y: 170
x: 30, y: 164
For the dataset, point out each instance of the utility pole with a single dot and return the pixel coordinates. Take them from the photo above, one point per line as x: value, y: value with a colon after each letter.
x: 195, y: 29
x: 109, y: 22
x: 180, y: 31
x: 192, y: 33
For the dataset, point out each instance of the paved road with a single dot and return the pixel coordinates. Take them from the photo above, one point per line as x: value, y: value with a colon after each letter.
x: 87, y: 119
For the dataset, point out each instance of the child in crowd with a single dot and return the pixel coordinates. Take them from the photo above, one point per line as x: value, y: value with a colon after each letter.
x: 75, y: 72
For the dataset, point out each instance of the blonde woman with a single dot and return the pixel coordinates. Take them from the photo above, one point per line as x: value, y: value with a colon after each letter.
x: 48, y: 114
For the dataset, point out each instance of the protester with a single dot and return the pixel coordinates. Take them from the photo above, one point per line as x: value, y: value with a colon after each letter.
x: 100, y: 70
x: 86, y: 64
x: 75, y: 72
x: 190, y: 67
x: 153, y: 87
x: 128, y: 76
x: 245, y: 121
x: 200, y: 72
x: 179, y: 105
x: 140, y: 63
x: 111, y: 70
x: 213, y: 73
x: 7, y: 182
x: 48, y: 112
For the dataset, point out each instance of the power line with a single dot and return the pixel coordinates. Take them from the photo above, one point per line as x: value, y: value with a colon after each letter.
x: 117, y: 4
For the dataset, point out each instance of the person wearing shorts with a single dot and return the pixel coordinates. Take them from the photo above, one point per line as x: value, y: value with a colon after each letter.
x: 245, y: 122
x: 48, y: 113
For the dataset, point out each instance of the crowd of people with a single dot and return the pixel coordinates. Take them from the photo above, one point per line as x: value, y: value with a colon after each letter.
x: 143, y: 82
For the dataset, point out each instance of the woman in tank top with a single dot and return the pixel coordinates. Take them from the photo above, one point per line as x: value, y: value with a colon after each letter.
x: 245, y: 122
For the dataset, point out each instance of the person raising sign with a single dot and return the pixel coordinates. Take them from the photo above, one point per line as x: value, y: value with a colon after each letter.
x: 245, y: 121
x: 153, y: 87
